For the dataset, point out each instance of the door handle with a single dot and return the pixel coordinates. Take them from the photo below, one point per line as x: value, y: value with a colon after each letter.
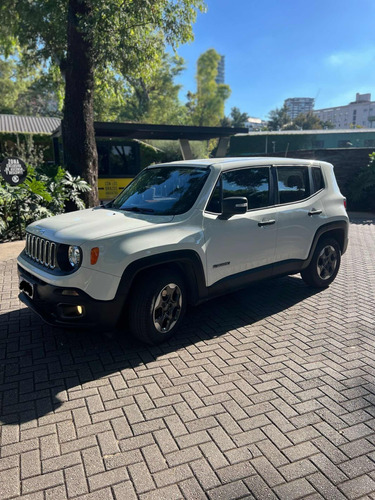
x: 266, y: 222
x: 315, y: 212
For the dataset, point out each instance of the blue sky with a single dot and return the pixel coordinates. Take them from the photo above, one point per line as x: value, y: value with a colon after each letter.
x: 275, y: 49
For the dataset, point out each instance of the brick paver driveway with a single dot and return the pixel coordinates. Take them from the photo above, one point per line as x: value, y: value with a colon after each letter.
x: 267, y: 393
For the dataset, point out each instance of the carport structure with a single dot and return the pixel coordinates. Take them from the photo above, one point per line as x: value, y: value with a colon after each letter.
x: 182, y: 133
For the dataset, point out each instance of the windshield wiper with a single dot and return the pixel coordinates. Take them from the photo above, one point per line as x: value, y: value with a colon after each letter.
x: 139, y: 210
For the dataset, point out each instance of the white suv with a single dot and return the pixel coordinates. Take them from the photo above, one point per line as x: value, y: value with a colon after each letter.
x: 179, y: 234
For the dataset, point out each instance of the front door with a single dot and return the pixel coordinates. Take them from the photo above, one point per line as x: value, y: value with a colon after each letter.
x: 246, y: 241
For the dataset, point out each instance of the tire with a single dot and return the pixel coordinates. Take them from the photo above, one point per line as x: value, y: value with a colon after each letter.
x: 324, y: 265
x: 157, y: 306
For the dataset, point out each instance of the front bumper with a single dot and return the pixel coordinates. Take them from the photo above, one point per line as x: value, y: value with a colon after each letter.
x: 68, y: 307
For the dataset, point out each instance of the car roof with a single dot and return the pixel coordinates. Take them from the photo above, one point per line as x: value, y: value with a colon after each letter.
x: 230, y: 163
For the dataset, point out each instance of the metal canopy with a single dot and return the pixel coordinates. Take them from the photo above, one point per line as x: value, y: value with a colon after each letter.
x: 182, y: 133
x: 163, y: 132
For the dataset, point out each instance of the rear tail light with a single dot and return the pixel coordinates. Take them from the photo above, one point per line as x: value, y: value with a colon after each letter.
x: 345, y: 203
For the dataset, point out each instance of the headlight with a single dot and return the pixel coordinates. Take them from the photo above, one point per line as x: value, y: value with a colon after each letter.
x: 74, y: 256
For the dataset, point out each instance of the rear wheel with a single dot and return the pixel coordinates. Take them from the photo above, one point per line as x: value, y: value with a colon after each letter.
x: 324, y: 264
x: 157, y: 306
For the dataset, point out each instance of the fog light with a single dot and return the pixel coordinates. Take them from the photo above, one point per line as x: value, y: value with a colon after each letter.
x: 70, y: 311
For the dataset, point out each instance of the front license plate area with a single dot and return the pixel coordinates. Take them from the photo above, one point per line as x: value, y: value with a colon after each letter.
x: 27, y: 287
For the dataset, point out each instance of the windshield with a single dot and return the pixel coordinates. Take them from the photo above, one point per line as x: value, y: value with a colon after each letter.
x: 162, y: 190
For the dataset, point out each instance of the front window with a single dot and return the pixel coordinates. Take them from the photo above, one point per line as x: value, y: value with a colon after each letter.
x: 162, y: 190
x: 252, y: 183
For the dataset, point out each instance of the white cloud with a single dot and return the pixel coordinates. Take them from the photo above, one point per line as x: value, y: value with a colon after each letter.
x: 354, y: 59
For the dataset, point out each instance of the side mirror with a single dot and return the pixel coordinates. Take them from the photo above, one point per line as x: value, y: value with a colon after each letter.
x: 233, y: 206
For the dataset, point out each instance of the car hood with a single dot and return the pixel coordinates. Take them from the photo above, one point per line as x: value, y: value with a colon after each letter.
x: 93, y: 223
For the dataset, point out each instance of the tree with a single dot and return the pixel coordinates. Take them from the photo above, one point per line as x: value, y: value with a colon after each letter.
x: 206, y: 106
x: 236, y: 119
x: 42, y: 97
x: 305, y: 121
x: 14, y: 80
x: 361, y: 191
x: 278, y: 118
x: 27, y: 90
x: 85, y: 38
x: 155, y: 99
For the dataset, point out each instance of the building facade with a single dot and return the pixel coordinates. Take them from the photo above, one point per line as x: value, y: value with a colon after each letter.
x: 255, y: 124
x: 298, y: 105
x: 361, y: 113
x: 220, y: 71
x: 285, y: 141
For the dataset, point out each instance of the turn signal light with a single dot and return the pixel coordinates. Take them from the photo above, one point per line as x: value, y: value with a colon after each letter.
x: 94, y: 255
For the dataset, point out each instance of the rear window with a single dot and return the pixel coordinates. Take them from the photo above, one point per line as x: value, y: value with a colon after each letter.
x: 293, y: 184
x: 318, y: 181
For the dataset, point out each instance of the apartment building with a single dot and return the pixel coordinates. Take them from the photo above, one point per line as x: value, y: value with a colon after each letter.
x: 298, y: 105
x: 360, y: 112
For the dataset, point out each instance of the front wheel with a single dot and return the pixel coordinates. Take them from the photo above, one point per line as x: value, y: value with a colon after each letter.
x: 324, y: 265
x: 157, y: 306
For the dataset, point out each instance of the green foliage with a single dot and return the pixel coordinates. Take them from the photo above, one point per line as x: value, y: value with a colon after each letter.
x: 43, y: 97
x: 127, y: 37
x: 25, y: 146
x: 278, y: 118
x: 206, y: 106
x: 236, y: 118
x: 361, y: 192
x: 10, y: 85
x: 170, y: 150
x: 154, y: 98
x: 305, y: 121
x: 33, y: 91
x: 39, y: 196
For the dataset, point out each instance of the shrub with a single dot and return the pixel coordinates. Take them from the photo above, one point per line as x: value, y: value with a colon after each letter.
x: 361, y: 192
x: 42, y: 194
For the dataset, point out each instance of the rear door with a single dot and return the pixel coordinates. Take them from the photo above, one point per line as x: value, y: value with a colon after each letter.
x: 300, y: 210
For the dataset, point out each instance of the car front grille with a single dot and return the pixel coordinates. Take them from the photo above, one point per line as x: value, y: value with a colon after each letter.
x: 41, y: 250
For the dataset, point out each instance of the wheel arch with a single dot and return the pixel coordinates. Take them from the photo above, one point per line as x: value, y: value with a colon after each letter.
x: 186, y: 262
x: 337, y: 230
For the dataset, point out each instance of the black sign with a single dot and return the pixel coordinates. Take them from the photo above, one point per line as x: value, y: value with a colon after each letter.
x: 13, y: 170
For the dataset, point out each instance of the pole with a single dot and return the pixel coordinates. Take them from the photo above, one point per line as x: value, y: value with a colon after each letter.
x: 19, y: 220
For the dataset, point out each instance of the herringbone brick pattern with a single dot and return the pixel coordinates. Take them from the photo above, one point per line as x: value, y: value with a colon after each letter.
x: 267, y: 393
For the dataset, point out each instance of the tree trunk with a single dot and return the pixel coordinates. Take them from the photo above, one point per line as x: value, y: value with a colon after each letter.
x: 80, y: 153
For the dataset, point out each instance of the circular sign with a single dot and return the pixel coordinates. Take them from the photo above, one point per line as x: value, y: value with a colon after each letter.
x: 13, y: 170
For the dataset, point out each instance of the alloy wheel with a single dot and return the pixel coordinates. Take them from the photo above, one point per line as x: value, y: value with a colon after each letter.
x: 327, y: 262
x: 167, y: 308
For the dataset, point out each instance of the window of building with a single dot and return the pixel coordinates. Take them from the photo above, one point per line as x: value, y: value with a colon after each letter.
x: 344, y: 143
x: 318, y: 144
x: 293, y: 184
x: 118, y: 158
x: 369, y: 143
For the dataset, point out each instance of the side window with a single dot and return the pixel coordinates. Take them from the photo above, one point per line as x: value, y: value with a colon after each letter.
x: 252, y: 183
x: 293, y: 183
x: 318, y: 180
